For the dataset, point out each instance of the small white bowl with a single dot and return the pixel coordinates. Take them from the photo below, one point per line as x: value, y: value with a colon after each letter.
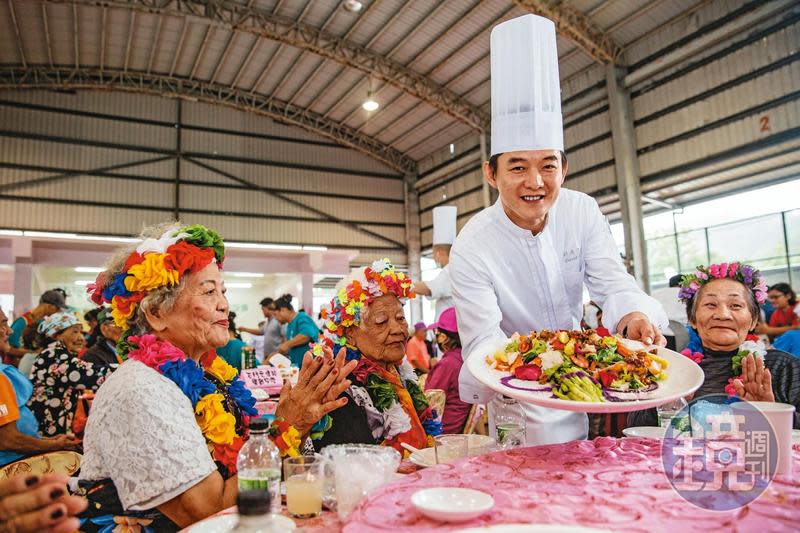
x: 451, y: 504
x: 648, y: 432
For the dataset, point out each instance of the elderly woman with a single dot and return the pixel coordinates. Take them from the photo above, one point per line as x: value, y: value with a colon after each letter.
x: 722, y: 305
x: 19, y: 430
x: 388, y: 407
x: 59, y: 377
x: 165, y: 429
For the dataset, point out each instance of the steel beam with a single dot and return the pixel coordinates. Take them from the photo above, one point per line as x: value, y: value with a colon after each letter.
x: 577, y: 27
x: 16, y: 32
x: 413, y: 240
x: 138, y: 82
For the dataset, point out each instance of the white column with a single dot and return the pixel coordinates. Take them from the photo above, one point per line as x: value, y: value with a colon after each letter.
x: 307, y: 294
x: 626, y: 164
x: 413, y: 242
x: 22, y: 252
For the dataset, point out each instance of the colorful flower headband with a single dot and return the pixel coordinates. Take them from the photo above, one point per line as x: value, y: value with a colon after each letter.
x: 156, y: 263
x: 357, y: 293
x: 752, y: 279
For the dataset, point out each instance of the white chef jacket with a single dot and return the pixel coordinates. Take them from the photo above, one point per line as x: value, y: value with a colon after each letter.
x: 506, y: 280
x: 442, y: 290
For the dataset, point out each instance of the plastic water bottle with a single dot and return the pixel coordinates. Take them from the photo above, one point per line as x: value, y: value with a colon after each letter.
x: 254, y: 513
x: 259, y: 464
x: 509, y: 422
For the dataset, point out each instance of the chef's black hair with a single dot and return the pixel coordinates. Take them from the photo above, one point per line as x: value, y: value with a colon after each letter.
x: 493, y: 160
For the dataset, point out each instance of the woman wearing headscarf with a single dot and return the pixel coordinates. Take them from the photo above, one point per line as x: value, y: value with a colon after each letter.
x: 59, y: 377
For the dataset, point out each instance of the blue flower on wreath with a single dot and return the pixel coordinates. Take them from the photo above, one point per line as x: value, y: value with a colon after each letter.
x: 432, y: 426
x: 117, y: 288
x: 351, y: 354
x: 243, y: 397
x: 189, y: 378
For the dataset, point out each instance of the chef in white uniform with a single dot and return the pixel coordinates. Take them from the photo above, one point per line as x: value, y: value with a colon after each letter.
x: 440, y: 288
x: 520, y: 265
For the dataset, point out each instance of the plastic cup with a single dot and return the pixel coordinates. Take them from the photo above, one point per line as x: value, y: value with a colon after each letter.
x: 780, y: 417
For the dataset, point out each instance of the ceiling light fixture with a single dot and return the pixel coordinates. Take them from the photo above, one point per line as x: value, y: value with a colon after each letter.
x: 370, y: 104
x: 246, y: 274
x: 89, y: 270
x: 83, y: 282
x: 354, y: 6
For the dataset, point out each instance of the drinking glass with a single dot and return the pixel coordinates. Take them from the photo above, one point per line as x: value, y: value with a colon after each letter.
x: 358, y: 469
x: 304, y: 479
x: 448, y: 448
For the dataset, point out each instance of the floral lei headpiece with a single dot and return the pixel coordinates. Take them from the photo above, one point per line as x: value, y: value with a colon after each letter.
x: 156, y: 263
x: 751, y: 277
x: 375, y: 281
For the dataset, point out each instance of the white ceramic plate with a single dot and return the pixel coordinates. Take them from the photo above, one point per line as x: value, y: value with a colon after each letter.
x: 225, y: 523
x: 531, y: 528
x: 451, y: 504
x: 648, y: 432
x: 684, y: 377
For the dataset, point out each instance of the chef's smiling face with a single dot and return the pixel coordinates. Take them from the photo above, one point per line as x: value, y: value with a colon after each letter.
x: 528, y: 183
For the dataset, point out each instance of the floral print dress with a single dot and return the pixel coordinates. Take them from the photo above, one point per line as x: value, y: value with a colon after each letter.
x: 59, y: 378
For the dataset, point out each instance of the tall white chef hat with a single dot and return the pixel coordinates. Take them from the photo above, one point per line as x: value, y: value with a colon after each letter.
x: 444, y: 224
x: 526, y: 94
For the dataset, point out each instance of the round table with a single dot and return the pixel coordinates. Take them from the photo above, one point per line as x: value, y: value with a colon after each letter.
x: 607, y: 483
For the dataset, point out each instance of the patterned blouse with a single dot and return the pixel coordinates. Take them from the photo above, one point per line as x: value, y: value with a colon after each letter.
x: 59, y: 378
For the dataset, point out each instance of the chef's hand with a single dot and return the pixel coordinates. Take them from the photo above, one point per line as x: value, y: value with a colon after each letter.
x: 636, y: 326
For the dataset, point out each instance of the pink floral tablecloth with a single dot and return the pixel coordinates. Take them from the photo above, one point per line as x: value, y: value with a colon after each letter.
x: 607, y: 483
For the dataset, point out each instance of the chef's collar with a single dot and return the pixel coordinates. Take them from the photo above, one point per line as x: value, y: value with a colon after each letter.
x: 502, y: 217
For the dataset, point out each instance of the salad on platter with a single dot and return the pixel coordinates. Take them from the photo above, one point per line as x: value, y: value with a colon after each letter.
x: 583, y: 366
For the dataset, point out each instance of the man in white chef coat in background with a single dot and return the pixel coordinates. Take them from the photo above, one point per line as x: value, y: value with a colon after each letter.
x: 440, y: 288
x: 520, y: 265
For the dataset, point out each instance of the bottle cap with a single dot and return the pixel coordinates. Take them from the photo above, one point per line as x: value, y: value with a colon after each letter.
x: 258, y: 425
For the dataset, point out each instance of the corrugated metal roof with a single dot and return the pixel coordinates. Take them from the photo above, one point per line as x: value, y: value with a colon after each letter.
x: 448, y: 42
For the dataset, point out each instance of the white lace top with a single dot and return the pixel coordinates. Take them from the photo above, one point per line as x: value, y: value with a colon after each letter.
x: 142, y: 434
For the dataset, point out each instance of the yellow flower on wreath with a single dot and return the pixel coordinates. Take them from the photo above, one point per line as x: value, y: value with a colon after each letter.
x: 151, y: 274
x: 220, y: 369
x: 216, y: 424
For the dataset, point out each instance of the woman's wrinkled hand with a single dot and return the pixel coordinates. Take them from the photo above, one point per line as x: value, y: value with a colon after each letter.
x: 755, y: 384
x: 38, y: 504
x: 321, y: 381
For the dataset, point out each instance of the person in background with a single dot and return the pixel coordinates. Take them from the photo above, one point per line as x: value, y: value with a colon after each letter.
x: 34, y: 503
x: 417, y: 351
x: 270, y: 329
x: 59, y: 377
x: 786, y: 313
x: 90, y: 317
x: 104, y: 350
x: 444, y: 375
x: 440, y: 288
x: 19, y: 430
x: 23, y: 329
x: 232, y: 351
x: 300, y: 330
